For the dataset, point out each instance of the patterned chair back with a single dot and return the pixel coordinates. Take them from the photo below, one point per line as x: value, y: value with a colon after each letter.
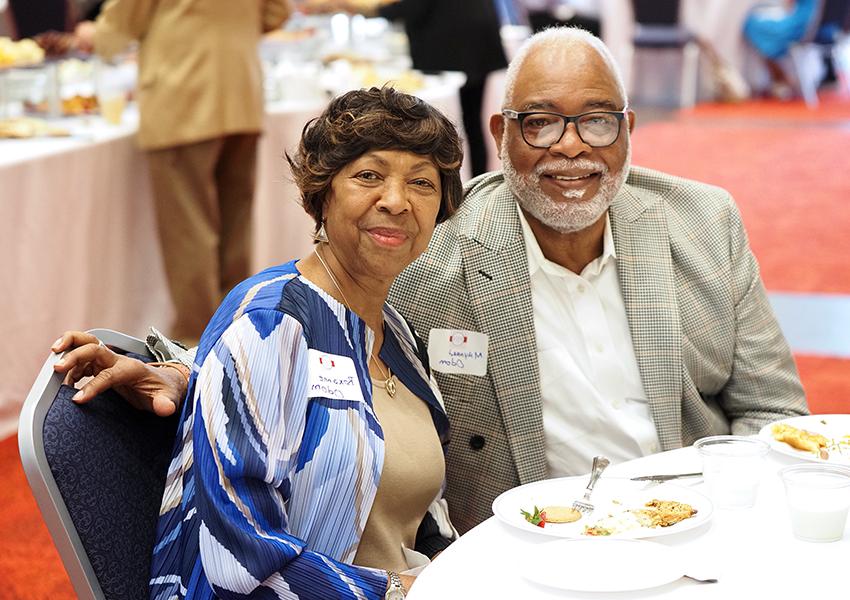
x: 109, y: 461
x: 97, y: 472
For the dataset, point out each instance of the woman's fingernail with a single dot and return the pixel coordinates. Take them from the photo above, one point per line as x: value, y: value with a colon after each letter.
x: 56, y: 343
x: 78, y: 396
x: 60, y: 363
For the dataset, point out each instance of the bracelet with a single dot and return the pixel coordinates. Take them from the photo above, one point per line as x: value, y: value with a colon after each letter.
x: 184, y: 370
x: 395, y: 588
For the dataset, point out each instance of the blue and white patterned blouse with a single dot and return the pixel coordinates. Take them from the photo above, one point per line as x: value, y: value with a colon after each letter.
x: 268, y: 491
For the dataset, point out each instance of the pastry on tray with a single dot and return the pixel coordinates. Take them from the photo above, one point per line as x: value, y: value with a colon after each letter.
x: 27, y: 127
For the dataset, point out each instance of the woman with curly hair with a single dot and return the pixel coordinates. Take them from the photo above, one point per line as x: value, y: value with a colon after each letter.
x: 309, y: 462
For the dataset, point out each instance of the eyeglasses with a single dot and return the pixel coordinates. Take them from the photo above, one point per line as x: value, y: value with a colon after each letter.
x: 597, y: 129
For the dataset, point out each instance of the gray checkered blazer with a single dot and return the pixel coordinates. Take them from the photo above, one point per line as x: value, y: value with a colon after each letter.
x: 711, y: 356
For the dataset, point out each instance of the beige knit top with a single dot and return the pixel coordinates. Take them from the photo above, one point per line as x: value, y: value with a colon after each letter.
x: 411, y: 477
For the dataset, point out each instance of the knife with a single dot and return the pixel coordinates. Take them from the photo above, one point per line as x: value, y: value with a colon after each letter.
x: 665, y: 477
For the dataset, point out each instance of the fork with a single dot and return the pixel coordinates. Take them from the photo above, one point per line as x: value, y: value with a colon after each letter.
x: 599, y: 465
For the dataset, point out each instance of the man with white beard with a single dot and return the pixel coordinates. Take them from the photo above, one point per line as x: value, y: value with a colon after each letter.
x: 574, y: 305
x: 623, y: 308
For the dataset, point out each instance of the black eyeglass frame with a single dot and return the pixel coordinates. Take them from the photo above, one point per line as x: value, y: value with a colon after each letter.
x: 518, y: 116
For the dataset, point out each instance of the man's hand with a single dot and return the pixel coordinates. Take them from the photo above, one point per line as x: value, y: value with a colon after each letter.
x: 84, y: 36
x: 368, y: 8
x: 155, y: 389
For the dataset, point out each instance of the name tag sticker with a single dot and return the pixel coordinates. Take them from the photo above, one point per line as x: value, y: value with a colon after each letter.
x: 458, y: 351
x: 332, y: 376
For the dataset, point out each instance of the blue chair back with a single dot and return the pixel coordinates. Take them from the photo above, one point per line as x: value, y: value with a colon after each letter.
x: 109, y: 461
x: 97, y: 472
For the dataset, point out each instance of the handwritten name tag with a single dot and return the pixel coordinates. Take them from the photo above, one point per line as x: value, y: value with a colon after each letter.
x: 332, y: 376
x: 458, y: 351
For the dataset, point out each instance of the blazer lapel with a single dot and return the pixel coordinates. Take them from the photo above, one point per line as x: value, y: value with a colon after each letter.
x: 499, y: 288
x: 645, y: 268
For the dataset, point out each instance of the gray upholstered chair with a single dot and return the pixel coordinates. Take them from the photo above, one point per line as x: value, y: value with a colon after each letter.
x: 658, y: 27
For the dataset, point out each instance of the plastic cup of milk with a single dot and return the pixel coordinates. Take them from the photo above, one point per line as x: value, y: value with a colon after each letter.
x: 732, y: 468
x: 818, y: 497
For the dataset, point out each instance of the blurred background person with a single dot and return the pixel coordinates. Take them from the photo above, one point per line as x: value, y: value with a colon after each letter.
x: 28, y: 18
x: 49, y: 22
x: 88, y: 10
x: 451, y: 35
x: 771, y: 30
x: 200, y: 93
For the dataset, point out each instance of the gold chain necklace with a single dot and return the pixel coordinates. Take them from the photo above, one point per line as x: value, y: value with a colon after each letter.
x: 389, y: 383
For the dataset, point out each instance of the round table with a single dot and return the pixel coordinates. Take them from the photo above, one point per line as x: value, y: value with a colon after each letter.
x: 751, y: 551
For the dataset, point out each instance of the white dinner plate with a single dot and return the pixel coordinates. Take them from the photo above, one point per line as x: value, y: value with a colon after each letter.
x: 611, y: 496
x: 602, y: 565
x: 834, y: 427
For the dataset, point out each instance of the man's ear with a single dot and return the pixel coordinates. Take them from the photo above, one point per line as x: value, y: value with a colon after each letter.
x: 632, y: 118
x: 497, y: 130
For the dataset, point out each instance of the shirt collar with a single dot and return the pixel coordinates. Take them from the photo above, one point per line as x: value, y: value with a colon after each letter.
x: 537, y: 261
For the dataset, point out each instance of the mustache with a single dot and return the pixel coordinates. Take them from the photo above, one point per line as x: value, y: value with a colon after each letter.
x: 566, y: 164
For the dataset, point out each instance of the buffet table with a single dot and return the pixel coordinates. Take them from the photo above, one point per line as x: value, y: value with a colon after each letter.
x: 751, y: 552
x: 79, y: 247
x: 79, y: 237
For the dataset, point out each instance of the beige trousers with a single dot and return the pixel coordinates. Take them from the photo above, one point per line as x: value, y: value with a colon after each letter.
x: 203, y: 194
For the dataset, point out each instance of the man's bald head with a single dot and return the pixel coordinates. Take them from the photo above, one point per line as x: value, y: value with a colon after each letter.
x: 561, y: 39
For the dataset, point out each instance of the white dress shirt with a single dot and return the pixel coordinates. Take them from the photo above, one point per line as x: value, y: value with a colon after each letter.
x: 593, y: 398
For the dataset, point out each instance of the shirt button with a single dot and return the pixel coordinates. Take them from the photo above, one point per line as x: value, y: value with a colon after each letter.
x: 618, y: 404
x: 476, y: 442
x: 580, y: 288
x: 599, y: 348
x: 653, y: 447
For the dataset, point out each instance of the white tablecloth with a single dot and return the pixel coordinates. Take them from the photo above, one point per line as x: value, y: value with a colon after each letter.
x: 78, y: 248
x: 751, y: 551
x: 78, y: 234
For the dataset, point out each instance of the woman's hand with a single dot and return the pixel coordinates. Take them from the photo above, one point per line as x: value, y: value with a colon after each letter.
x: 155, y: 389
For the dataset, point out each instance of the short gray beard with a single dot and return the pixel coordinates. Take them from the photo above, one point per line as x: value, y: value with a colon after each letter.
x: 573, y: 215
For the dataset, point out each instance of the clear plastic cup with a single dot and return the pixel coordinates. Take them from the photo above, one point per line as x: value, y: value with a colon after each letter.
x: 112, y: 87
x: 112, y: 104
x: 818, y: 497
x: 732, y: 468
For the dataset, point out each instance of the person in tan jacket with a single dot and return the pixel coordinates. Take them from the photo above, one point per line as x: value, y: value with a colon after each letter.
x: 200, y: 99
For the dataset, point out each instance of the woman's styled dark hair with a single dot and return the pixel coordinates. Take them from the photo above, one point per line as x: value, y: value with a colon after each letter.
x: 375, y: 119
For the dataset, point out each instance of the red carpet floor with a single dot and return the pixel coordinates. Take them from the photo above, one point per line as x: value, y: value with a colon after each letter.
x: 832, y: 107
x: 789, y: 170
x: 791, y: 183
x: 29, y: 565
